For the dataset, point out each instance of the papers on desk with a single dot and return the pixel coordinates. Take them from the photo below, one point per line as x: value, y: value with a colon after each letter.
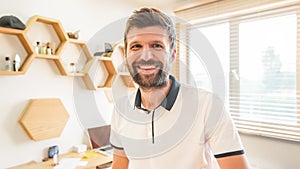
x: 70, y: 163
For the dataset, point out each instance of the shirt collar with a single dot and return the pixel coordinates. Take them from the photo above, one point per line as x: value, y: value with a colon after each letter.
x: 168, y: 101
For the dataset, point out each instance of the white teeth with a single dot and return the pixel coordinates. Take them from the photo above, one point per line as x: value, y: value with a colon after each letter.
x: 147, y: 67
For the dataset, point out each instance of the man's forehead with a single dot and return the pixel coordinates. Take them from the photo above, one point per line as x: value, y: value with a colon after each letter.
x: 146, y: 34
x: 151, y: 30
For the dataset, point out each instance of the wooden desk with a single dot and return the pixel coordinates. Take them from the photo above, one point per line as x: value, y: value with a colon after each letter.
x: 93, y: 161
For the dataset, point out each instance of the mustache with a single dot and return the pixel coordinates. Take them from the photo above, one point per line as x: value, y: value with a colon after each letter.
x: 147, y: 62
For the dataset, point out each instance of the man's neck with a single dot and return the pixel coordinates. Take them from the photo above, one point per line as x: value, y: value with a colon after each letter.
x: 153, y: 97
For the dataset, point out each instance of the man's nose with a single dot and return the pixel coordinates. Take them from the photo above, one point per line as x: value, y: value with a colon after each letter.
x: 146, y: 54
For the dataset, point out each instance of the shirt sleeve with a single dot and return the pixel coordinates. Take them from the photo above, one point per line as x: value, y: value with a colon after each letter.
x: 115, y: 139
x: 223, y: 139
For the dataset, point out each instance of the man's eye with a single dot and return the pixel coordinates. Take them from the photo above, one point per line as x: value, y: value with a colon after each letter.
x: 157, y: 46
x: 135, y: 47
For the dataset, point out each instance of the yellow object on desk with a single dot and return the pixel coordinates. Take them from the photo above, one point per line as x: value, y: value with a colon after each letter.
x: 90, y: 154
x: 93, y: 158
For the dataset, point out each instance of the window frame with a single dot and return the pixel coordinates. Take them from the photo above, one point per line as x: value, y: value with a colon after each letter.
x: 234, y: 20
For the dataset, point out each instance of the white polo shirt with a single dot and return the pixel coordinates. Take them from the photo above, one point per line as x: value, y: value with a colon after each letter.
x: 187, y: 130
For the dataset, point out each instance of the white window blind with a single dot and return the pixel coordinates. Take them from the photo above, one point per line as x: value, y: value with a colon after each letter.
x: 178, y: 66
x: 263, y: 63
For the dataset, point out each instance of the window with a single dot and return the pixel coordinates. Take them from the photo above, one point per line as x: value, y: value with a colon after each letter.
x: 218, y: 37
x: 267, y: 64
x: 266, y: 101
x: 257, y: 45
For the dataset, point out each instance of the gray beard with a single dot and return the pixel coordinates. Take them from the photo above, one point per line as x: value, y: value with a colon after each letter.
x: 158, y: 80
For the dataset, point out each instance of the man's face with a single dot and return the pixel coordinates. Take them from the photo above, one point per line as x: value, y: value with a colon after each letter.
x: 148, y: 56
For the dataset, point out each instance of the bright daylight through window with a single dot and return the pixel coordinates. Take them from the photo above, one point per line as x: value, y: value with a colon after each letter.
x: 268, y: 70
x: 258, y: 55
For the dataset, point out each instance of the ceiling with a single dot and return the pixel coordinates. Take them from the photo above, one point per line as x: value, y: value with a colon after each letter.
x: 163, y: 4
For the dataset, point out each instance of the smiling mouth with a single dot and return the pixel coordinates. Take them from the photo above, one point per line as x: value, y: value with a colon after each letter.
x: 147, y: 69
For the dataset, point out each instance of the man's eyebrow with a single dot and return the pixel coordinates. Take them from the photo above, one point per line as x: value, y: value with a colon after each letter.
x: 151, y: 42
x: 133, y: 42
x: 157, y: 41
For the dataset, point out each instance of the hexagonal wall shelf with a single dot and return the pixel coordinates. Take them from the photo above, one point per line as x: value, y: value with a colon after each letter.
x: 118, y: 60
x: 44, y: 118
x: 73, y: 58
x: 15, y: 43
x: 107, y: 61
x: 99, y: 73
x: 53, y: 33
x: 127, y: 80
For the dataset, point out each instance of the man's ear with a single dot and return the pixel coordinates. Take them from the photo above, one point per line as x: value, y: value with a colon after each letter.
x: 173, y: 55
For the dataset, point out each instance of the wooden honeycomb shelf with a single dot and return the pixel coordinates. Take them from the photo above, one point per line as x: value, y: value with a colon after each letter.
x: 118, y: 59
x: 55, y: 29
x: 107, y: 61
x: 44, y: 118
x: 77, y: 53
x: 97, y: 72
x: 17, y: 36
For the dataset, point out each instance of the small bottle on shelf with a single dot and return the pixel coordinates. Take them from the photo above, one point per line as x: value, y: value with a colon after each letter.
x: 72, y: 67
x: 7, y: 65
x: 37, y: 47
x: 43, y: 49
x: 49, y: 51
x: 55, y: 159
x: 52, y: 47
x: 17, y: 63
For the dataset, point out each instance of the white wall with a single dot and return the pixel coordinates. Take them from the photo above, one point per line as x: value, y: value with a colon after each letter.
x: 270, y: 153
x: 43, y: 79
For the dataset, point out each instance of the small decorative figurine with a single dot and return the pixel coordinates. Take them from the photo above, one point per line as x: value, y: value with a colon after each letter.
x: 73, y: 35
